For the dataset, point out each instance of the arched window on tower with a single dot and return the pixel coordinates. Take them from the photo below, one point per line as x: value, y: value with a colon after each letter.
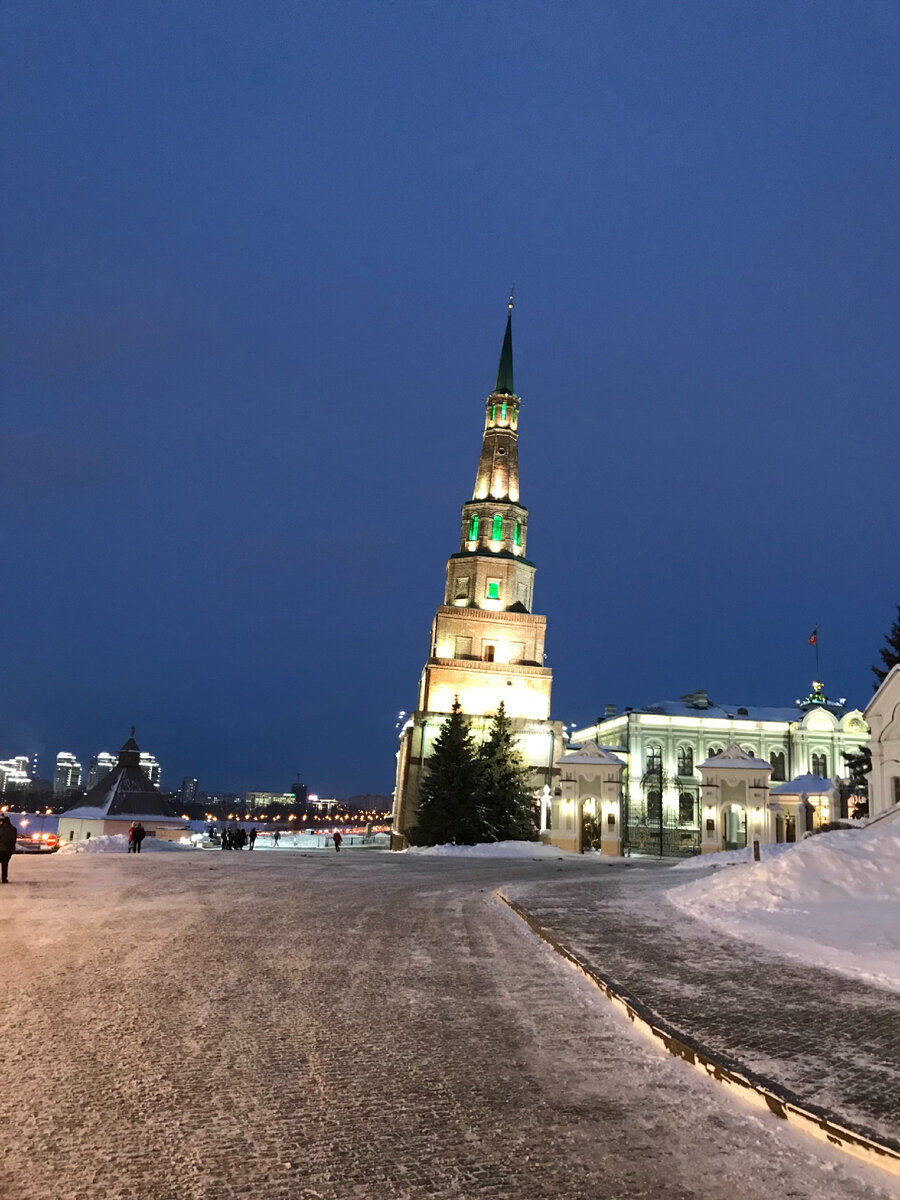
x: 503, y: 411
x: 497, y: 529
x: 515, y: 417
x: 473, y: 529
x: 518, y: 537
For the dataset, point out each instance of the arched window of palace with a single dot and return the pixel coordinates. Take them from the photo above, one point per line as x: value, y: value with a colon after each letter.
x: 653, y: 761
x: 712, y: 751
x: 654, y: 805
x: 687, y: 809
x: 776, y: 758
x: 497, y: 529
x: 685, y: 760
x: 820, y: 766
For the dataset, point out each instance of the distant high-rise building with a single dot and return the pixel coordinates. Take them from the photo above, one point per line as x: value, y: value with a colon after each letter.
x: 187, y: 793
x: 67, y: 776
x: 151, y: 768
x: 101, y: 764
x: 14, y: 775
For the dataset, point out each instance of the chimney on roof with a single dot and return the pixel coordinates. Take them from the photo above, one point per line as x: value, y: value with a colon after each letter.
x: 701, y: 700
x: 609, y: 711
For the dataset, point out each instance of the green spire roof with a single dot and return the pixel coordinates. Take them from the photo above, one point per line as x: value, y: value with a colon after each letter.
x: 505, y: 370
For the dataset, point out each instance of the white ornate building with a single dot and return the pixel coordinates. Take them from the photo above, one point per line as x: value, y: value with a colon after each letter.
x: 671, y: 751
x: 883, y: 716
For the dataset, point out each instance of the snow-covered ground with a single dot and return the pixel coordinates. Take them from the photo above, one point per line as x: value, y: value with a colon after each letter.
x: 833, y: 899
x: 344, y: 1027
x: 492, y: 850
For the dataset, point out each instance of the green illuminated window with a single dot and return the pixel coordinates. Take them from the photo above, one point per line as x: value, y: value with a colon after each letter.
x: 473, y: 529
x: 497, y: 529
x: 493, y: 412
x: 515, y: 417
x: 493, y: 590
x: 518, y: 534
x: 503, y: 411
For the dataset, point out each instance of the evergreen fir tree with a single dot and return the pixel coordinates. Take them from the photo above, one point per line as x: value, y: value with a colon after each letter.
x: 507, y: 806
x: 890, y: 653
x: 449, y: 795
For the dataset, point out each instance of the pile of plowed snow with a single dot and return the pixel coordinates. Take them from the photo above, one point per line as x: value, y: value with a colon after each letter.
x: 117, y: 843
x: 491, y: 850
x: 833, y: 899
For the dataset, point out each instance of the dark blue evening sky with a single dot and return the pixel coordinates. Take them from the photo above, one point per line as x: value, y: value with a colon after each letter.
x: 255, y: 264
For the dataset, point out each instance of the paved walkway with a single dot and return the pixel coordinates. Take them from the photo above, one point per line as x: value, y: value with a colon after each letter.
x: 207, y: 1026
x: 832, y: 1041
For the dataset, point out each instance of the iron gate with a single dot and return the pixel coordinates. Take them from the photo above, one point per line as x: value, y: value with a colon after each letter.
x: 662, y: 830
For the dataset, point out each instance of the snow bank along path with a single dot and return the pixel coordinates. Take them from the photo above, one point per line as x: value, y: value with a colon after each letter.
x: 832, y: 899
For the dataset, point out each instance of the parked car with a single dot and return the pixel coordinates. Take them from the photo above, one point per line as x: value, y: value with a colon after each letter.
x: 37, y: 843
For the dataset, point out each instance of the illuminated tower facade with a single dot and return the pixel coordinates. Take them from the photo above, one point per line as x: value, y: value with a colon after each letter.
x: 487, y: 646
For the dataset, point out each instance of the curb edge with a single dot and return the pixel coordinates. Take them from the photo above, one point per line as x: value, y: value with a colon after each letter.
x: 756, y: 1090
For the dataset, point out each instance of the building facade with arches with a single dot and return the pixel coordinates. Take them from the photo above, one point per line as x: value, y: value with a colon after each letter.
x: 664, y: 748
x: 883, y: 715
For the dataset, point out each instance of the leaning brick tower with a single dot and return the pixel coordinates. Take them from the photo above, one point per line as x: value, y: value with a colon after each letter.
x: 487, y: 646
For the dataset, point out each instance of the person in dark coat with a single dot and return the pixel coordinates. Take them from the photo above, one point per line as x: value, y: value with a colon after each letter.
x: 251, y: 838
x: 137, y: 836
x: 276, y: 836
x: 336, y: 837
x: 8, y: 835
x: 226, y: 838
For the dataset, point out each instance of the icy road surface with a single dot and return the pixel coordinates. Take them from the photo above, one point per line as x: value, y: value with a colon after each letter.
x: 314, y: 1027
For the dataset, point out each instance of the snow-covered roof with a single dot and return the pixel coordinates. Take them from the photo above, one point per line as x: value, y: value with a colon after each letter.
x: 590, y: 754
x: 805, y: 785
x: 125, y: 792
x: 734, y: 712
x: 734, y: 757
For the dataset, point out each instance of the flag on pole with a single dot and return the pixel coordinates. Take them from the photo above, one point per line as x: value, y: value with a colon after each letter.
x: 814, y: 636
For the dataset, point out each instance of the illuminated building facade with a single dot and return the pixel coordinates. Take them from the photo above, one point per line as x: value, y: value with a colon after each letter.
x: 14, y: 775
x: 680, y: 789
x: 486, y: 646
x: 883, y: 714
x: 67, y: 775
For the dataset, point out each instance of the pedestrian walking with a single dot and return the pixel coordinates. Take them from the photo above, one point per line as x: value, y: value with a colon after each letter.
x: 251, y: 838
x: 8, y: 835
x: 240, y: 839
x: 137, y: 836
x: 131, y: 845
x: 226, y: 837
x: 336, y: 837
x: 276, y: 837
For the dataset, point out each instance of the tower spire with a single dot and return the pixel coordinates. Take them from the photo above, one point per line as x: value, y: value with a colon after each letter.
x: 505, y: 369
